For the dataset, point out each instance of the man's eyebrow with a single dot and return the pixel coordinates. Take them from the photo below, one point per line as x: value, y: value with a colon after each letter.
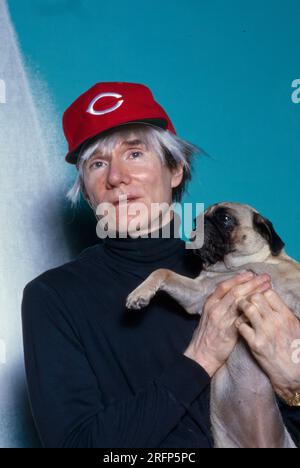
x: 126, y: 143
x: 98, y: 154
x: 135, y: 142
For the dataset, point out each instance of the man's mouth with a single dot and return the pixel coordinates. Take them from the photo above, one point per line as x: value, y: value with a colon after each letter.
x: 124, y: 199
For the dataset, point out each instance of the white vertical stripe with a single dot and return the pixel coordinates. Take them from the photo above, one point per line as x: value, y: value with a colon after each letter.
x: 31, y: 196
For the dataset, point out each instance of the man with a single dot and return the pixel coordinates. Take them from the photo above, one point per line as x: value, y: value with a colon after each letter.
x: 98, y: 374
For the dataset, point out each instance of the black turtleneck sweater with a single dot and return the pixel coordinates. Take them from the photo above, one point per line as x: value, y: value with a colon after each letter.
x: 100, y: 375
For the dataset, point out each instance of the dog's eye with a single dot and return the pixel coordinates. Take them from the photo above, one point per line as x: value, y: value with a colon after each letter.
x: 224, y: 218
x: 227, y: 219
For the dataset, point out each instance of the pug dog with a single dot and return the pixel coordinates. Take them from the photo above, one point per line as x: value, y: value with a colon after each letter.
x: 244, y: 409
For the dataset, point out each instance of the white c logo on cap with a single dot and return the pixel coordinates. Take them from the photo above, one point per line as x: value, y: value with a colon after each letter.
x: 91, y: 109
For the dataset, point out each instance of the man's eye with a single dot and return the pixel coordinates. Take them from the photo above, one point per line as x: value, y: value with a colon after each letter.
x: 97, y: 164
x: 135, y: 154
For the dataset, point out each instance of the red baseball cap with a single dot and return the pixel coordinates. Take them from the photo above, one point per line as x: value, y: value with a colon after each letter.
x: 107, y: 105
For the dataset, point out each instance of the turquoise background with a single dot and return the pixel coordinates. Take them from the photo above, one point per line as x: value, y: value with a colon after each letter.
x: 222, y: 69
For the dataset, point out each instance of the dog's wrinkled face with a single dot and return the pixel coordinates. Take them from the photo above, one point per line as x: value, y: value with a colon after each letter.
x: 236, y: 230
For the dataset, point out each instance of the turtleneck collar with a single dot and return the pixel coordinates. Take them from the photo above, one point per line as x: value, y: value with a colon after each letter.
x: 147, y: 250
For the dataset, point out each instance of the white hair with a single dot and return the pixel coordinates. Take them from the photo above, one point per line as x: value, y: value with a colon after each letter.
x: 171, y: 149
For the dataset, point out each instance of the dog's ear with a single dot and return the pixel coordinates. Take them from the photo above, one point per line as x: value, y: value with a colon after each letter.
x: 267, y: 231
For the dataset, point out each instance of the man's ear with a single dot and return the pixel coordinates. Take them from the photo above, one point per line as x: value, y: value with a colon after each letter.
x: 267, y: 231
x: 177, y: 175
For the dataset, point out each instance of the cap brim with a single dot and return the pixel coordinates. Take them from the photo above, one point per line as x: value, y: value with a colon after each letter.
x: 72, y: 156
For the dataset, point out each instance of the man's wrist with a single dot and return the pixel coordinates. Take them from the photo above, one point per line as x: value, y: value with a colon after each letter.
x: 209, y: 365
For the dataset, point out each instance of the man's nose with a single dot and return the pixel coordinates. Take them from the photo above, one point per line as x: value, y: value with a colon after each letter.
x: 117, y: 174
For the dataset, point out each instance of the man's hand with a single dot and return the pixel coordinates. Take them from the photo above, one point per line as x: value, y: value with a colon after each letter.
x: 271, y: 329
x: 216, y: 335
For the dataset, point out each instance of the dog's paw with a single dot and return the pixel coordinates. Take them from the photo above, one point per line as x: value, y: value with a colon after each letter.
x: 139, y: 298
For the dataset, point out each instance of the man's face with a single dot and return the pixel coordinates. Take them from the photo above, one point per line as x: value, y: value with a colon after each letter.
x: 134, y: 170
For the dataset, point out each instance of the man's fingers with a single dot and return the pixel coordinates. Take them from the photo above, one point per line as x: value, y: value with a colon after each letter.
x: 246, y: 332
x: 240, y: 287
x: 242, y: 319
x: 259, y: 282
x: 223, y: 288
x: 275, y: 301
x: 251, y: 312
x: 260, y: 301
